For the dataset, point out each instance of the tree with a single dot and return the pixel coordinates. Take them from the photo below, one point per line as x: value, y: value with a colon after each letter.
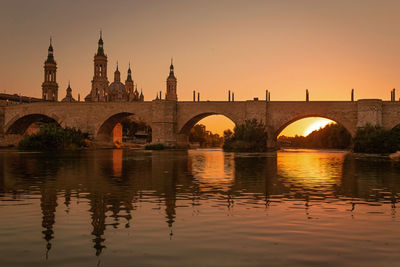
x: 251, y: 136
x: 373, y: 139
x: 205, y: 138
x: 52, y: 137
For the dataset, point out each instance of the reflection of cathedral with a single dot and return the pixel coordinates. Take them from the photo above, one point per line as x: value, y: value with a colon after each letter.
x: 116, y: 91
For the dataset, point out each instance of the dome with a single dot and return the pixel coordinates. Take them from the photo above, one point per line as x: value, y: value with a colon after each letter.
x: 117, y: 92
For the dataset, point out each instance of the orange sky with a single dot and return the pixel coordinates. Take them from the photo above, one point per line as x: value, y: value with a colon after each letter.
x: 328, y: 47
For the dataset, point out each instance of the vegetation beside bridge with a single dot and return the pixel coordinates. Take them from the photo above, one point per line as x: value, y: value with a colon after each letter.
x: 251, y: 136
x: 52, y: 137
x: 376, y: 140
x: 332, y: 136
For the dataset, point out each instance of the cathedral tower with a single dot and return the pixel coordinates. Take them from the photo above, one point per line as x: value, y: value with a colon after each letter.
x: 129, y: 81
x: 50, y: 86
x: 171, y: 85
x: 100, y: 81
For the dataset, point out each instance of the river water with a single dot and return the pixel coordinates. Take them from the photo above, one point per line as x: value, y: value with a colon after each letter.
x: 198, y: 208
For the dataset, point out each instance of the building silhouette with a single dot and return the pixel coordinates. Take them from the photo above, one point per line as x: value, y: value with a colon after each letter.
x: 50, y: 86
x: 100, y: 81
x: 102, y: 91
x: 171, y: 84
x: 68, y: 97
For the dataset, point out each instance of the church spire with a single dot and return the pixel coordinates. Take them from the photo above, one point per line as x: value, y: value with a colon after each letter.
x: 50, y: 53
x: 171, y: 68
x: 117, y: 75
x: 100, y: 49
x: 129, y: 77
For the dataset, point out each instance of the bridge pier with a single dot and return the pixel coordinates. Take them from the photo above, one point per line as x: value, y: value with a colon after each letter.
x: 182, y: 140
x: 369, y: 111
x: 272, y: 143
x: 164, y: 122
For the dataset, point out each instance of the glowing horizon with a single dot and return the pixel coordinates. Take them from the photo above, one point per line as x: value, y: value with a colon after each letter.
x: 284, y: 46
x: 267, y: 45
x: 304, y: 127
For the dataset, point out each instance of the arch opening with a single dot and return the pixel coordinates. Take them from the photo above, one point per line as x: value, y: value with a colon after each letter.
x: 313, y: 132
x: 124, y: 129
x: 29, y: 124
x: 206, y: 130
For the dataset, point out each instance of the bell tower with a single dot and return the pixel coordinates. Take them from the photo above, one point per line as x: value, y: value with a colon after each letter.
x: 129, y: 81
x: 100, y: 81
x: 50, y: 86
x: 171, y: 84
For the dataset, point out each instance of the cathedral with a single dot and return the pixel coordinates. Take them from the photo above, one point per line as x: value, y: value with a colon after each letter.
x: 102, y: 90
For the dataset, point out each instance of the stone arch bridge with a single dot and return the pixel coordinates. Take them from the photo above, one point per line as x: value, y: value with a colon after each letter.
x: 171, y: 121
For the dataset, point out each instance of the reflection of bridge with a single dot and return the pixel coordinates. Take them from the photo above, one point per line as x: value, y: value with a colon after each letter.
x: 172, y: 120
x: 113, y: 183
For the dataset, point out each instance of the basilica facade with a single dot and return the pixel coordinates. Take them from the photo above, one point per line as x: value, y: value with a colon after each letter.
x: 102, y: 90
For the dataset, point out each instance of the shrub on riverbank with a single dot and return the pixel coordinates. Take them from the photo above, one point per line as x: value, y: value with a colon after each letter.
x: 251, y: 136
x: 154, y: 147
x: 52, y: 137
x: 372, y: 139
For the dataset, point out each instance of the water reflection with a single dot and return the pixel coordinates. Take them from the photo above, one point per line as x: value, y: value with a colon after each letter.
x: 114, y: 183
x: 210, y: 169
x: 310, y: 171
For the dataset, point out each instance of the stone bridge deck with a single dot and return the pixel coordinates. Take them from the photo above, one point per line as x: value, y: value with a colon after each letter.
x: 171, y: 121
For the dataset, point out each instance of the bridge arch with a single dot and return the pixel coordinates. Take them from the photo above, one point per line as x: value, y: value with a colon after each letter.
x: 394, y: 125
x: 350, y: 128
x: 19, y: 125
x: 105, y: 132
x: 107, y: 128
x: 190, y: 123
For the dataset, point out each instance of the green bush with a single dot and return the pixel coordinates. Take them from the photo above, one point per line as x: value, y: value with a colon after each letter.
x: 372, y: 139
x: 154, y: 147
x: 52, y: 137
x: 251, y: 136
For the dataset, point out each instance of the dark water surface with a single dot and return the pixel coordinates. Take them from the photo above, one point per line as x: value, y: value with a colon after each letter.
x: 198, y: 208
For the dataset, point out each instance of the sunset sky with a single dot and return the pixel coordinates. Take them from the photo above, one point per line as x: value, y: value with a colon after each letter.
x: 328, y: 47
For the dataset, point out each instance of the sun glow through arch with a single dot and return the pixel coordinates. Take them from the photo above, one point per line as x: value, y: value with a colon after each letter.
x: 217, y: 123
x: 305, y: 126
x: 320, y: 123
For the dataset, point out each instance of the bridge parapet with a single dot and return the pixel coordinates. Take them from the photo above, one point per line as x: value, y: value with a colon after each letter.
x: 171, y: 121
